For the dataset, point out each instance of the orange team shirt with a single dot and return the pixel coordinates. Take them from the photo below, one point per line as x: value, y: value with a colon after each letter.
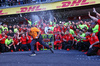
x: 34, y: 32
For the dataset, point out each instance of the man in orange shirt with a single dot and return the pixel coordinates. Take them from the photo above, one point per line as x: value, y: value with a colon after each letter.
x: 36, y: 34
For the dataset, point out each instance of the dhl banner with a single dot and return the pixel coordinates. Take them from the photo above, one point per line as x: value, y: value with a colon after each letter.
x: 48, y: 6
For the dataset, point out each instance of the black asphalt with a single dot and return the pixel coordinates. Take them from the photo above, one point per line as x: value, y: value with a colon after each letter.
x: 46, y: 58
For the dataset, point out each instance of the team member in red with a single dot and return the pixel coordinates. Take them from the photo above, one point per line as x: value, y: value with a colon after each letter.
x: 68, y: 40
x: 23, y: 41
x: 2, y: 41
x: 57, y: 28
x: 16, y: 43
x: 58, y: 40
x: 94, y: 43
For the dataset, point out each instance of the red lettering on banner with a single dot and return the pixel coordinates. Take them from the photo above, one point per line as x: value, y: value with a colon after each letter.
x: 30, y: 9
x: 38, y: 8
x: 66, y: 4
x: 84, y: 2
x: 75, y: 3
x: 22, y: 10
x: 1, y: 12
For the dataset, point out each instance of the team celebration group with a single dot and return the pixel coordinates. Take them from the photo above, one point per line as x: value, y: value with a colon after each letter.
x: 82, y: 35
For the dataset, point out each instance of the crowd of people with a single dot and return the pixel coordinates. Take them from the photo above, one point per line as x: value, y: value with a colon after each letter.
x: 18, y: 2
x: 81, y: 36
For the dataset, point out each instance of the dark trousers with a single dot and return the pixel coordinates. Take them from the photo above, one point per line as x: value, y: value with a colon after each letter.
x: 17, y: 47
x: 24, y: 47
x: 92, y: 51
x: 67, y: 45
x: 80, y: 46
x: 11, y: 48
x: 99, y: 35
x: 2, y: 47
x: 40, y: 40
x: 28, y: 45
x: 86, y: 46
x: 83, y: 46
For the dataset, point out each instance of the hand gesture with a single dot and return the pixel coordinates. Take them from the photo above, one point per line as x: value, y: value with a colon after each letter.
x: 89, y: 13
x: 90, y: 46
x: 94, y: 10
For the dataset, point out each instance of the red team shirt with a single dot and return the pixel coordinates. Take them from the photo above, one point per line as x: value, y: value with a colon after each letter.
x: 15, y: 41
x: 58, y: 37
x: 3, y: 40
x: 68, y: 37
x: 93, y: 40
x: 23, y: 40
x: 29, y: 40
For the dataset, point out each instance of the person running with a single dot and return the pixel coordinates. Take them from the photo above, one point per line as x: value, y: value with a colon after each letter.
x: 36, y: 34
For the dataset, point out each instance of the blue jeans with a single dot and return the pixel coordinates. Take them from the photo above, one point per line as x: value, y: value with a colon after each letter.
x: 40, y: 40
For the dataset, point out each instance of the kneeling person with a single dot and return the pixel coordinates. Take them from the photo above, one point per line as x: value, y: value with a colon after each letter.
x: 9, y: 44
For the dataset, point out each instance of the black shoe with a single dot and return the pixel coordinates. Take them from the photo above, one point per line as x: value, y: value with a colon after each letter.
x: 52, y: 50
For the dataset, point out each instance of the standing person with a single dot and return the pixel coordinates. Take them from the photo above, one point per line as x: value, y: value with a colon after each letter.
x: 23, y: 42
x: 36, y: 34
x: 69, y: 40
x: 58, y: 40
x: 46, y: 29
x: 2, y: 41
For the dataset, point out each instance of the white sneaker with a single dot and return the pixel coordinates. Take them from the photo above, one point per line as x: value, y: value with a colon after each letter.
x: 33, y: 55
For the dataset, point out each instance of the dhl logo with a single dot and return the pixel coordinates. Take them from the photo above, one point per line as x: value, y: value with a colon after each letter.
x: 75, y: 3
x: 30, y: 9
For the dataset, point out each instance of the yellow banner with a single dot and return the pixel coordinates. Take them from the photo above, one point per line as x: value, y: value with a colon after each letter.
x: 48, y: 6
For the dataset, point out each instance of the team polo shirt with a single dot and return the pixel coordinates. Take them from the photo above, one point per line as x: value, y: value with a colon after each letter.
x: 56, y: 29
x: 0, y: 31
x: 15, y: 30
x: 3, y: 40
x: 58, y: 37
x: 4, y: 28
x: 93, y: 40
x: 83, y: 35
x: 68, y: 37
x: 34, y: 32
x: 64, y: 29
x: 52, y: 28
x: 15, y: 41
x: 71, y: 31
x: 8, y: 42
x: 95, y: 29
x: 23, y: 40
